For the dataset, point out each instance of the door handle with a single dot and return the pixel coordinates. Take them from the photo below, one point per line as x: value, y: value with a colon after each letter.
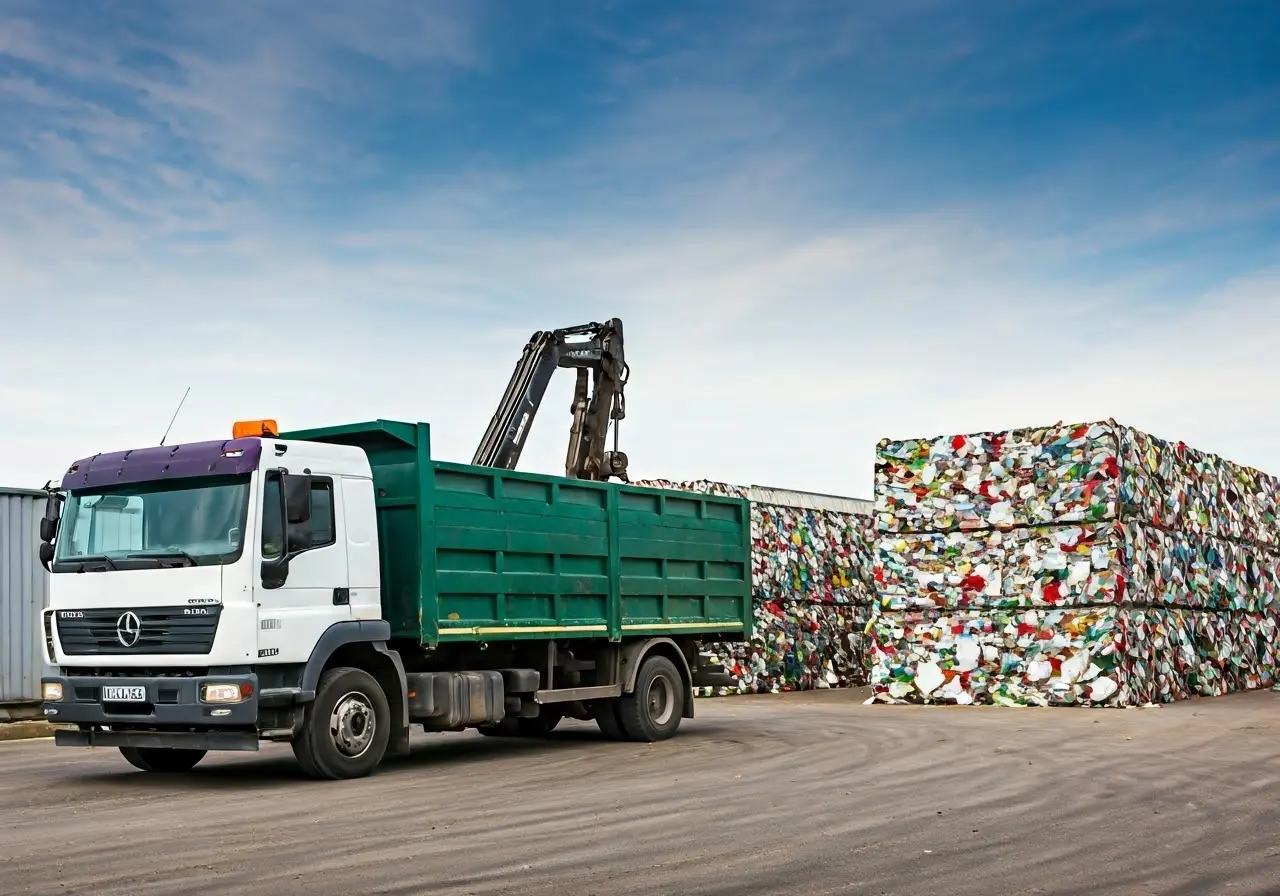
x: 341, y: 597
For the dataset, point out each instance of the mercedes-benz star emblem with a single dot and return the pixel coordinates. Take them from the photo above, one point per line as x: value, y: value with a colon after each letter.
x: 128, y: 629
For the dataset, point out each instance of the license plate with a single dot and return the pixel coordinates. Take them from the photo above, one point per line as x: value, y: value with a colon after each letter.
x: 124, y: 694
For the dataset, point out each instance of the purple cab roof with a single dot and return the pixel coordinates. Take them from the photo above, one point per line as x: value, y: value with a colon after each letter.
x: 165, y: 462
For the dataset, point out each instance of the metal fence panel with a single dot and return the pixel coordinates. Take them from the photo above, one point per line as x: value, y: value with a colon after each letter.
x: 24, y: 592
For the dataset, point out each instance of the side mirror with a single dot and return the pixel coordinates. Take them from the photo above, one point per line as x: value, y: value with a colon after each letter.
x: 275, y: 572
x: 297, y: 538
x: 52, y: 513
x: 297, y: 499
x: 297, y: 513
x: 46, y: 553
x: 295, y: 505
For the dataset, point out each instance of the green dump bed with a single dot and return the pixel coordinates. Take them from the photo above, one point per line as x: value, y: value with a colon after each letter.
x: 478, y: 554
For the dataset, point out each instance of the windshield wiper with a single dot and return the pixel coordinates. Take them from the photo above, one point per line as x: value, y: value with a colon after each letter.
x: 167, y: 555
x: 94, y: 559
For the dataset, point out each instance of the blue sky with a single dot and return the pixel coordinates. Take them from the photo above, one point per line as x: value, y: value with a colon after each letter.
x: 823, y: 222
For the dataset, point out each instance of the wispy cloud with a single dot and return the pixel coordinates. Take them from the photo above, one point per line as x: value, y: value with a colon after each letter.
x: 244, y: 92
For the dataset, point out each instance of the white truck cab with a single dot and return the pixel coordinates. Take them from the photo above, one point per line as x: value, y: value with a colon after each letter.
x: 175, y: 602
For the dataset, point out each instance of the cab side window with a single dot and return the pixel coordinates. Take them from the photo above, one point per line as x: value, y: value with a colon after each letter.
x: 323, y: 521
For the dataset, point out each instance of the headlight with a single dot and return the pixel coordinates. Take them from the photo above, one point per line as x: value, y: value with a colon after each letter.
x: 52, y: 691
x: 220, y: 693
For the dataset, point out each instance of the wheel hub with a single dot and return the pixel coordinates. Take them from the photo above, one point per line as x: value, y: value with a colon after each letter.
x: 352, y: 724
x: 660, y: 700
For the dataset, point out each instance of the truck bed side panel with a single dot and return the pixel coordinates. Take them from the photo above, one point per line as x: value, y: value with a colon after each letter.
x: 685, y: 563
x: 520, y: 555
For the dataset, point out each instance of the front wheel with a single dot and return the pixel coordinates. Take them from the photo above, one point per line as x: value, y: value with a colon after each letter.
x: 347, y: 727
x: 162, y: 759
x: 653, y: 710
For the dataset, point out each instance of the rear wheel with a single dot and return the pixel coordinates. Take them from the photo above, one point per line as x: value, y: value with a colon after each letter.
x: 161, y: 759
x: 607, y: 719
x: 347, y: 727
x: 653, y: 710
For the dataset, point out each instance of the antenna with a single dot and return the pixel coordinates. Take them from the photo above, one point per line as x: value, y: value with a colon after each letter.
x: 175, y: 415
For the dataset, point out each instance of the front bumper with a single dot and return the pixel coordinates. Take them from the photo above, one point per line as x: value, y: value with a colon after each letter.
x: 172, y: 711
x: 181, y: 740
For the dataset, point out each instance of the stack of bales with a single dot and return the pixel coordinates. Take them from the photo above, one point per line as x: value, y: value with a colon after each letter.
x: 1086, y: 563
x: 812, y: 593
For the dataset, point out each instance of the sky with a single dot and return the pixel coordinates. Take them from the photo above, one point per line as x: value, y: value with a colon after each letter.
x: 822, y: 223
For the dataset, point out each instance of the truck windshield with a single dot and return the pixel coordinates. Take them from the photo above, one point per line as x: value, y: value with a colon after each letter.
x: 184, y: 522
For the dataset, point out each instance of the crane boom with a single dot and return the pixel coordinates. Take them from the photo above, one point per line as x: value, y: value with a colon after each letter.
x: 598, y: 400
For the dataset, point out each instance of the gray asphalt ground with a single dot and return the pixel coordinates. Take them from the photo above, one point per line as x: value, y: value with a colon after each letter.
x: 799, y: 794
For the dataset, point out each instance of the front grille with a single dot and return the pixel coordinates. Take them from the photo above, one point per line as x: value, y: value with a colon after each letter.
x: 161, y: 630
x: 134, y: 672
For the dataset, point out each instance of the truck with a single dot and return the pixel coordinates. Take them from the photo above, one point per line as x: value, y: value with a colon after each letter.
x: 330, y: 588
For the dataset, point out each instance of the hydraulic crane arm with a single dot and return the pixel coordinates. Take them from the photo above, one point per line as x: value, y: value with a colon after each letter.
x: 598, y: 400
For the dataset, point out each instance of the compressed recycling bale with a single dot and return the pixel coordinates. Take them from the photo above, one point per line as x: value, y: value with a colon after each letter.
x: 1024, y: 477
x: 815, y: 555
x: 1177, y: 487
x: 1163, y: 568
x: 1008, y: 561
x: 1101, y: 656
x: 1070, y: 473
x: 1073, y: 565
x: 796, y: 647
x: 1016, y: 657
x: 1174, y: 654
x: 1045, y: 566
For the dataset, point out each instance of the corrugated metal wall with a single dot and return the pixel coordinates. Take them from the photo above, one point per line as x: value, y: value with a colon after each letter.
x: 24, y: 592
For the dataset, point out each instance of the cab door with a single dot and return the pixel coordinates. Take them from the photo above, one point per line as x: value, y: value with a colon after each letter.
x: 316, y: 593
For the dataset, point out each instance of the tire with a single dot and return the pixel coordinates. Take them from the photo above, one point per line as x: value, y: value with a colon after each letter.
x: 508, y: 727
x: 607, y: 719
x: 514, y: 726
x: 652, y: 712
x: 346, y: 728
x: 162, y: 759
x: 541, y: 726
